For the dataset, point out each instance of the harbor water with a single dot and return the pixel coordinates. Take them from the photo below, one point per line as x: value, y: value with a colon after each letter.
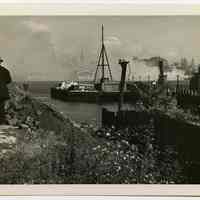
x: 78, y: 112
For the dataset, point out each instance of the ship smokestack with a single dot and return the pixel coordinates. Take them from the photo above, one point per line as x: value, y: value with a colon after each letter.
x: 162, y: 77
x: 123, y: 64
x: 161, y: 68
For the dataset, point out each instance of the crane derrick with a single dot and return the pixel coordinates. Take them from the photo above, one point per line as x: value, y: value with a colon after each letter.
x: 103, y: 62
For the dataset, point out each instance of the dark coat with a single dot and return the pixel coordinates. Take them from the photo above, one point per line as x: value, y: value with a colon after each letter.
x: 5, y: 79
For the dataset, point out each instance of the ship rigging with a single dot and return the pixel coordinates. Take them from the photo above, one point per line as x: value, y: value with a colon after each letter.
x: 103, y: 62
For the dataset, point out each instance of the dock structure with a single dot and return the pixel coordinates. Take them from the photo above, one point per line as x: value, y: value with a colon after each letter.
x: 103, y: 62
x: 195, y: 81
x: 189, y: 96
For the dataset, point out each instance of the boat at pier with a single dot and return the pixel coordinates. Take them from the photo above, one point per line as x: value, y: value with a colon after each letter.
x: 100, y: 90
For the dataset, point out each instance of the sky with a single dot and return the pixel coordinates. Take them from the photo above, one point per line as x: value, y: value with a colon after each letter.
x: 57, y: 47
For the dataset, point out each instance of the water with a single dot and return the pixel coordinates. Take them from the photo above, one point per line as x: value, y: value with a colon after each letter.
x: 79, y: 112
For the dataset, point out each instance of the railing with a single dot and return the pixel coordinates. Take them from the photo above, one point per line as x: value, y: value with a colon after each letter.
x: 188, y: 97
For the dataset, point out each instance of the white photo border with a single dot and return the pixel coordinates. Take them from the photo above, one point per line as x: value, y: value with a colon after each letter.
x: 109, y: 8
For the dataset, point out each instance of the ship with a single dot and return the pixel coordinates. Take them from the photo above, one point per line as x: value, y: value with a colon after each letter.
x: 102, y: 89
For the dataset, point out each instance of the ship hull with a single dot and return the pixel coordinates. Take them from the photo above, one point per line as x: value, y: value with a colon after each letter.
x: 91, y: 96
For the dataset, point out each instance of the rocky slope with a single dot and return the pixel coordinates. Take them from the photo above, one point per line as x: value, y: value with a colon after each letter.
x: 41, y: 146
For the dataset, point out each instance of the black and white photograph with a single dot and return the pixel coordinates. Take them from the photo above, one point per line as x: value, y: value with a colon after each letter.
x: 99, y: 99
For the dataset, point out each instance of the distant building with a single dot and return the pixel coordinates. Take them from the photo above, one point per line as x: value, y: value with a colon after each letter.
x: 174, y: 72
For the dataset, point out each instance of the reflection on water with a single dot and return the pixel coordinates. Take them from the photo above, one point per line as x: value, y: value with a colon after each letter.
x: 79, y: 112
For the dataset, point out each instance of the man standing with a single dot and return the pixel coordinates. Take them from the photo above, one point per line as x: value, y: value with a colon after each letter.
x: 5, y: 79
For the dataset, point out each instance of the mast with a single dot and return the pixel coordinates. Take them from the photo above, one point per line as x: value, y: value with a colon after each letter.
x: 103, y: 60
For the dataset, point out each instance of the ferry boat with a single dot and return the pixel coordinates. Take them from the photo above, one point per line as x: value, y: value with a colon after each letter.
x: 102, y: 90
